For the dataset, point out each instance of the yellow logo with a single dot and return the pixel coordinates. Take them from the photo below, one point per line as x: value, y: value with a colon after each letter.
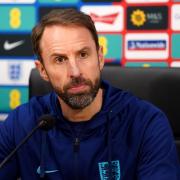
x: 138, y: 17
x: 146, y: 65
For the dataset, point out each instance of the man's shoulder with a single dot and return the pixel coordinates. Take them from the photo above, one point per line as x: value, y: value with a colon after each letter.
x: 143, y: 109
x: 27, y: 114
x: 133, y: 110
x: 126, y: 97
x: 125, y: 100
x: 122, y: 99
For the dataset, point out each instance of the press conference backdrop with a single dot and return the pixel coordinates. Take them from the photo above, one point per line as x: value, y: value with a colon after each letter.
x: 132, y: 32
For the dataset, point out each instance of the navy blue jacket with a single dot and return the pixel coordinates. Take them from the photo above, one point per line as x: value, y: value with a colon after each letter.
x: 128, y: 139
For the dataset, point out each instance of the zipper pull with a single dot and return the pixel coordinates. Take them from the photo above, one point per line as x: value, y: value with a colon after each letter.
x: 76, y: 144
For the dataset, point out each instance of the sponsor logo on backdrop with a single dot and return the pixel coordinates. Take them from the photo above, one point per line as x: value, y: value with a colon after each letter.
x: 138, y: 17
x: 16, y: 72
x: 146, y: 1
x: 17, y: 1
x: 150, y: 45
x: 9, y: 46
x: 147, y: 46
x: 12, y: 97
x: 108, y: 42
x: 107, y: 18
x: 15, y: 45
x: 17, y: 18
x: 175, y: 17
x: 147, y: 17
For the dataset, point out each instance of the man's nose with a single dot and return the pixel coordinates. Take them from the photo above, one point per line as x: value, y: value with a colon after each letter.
x: 74, y: 70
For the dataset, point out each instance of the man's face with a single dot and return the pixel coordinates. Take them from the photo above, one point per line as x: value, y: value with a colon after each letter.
x: 71, y: 63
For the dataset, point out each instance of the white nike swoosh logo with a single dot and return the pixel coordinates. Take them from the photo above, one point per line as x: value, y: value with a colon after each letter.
x: 50, y: 171
x: 9, y: 46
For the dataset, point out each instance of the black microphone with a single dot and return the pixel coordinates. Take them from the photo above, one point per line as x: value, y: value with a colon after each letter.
x: 46, y: 122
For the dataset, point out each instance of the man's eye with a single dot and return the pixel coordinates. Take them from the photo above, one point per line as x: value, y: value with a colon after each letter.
x: 60, y: 59
x: 83, y: 55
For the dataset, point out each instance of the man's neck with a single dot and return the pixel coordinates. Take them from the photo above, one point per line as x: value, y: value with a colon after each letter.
x: 83, y: 114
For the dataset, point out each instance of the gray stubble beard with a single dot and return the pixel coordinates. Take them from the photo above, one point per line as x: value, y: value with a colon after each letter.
x: 81, y: 100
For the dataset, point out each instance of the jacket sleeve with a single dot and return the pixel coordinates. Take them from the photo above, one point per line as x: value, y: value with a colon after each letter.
x: 158, y: 158
x: 7, y: 144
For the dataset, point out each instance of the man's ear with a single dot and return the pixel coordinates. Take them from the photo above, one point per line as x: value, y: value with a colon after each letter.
x: 42, y: 70
x: 101, y: 57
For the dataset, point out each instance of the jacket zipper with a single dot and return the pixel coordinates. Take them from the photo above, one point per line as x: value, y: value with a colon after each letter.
x: 76, y: 146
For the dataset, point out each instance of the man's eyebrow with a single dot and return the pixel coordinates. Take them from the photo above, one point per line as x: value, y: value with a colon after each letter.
x: 85, y: 49
x: 58, y: 54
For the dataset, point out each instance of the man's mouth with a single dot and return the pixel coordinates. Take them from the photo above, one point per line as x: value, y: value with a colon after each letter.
x: 77, y: 88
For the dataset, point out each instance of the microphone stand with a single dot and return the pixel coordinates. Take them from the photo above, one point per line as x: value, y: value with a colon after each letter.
x: 20, y: 144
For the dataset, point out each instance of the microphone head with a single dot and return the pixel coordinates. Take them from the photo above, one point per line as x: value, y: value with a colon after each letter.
x: 47, y: 122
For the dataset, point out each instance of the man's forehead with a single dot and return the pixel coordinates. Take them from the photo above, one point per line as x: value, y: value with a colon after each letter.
x: 77, y: 50
x: 66, y: 33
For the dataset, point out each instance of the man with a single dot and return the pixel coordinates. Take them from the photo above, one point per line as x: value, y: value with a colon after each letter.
x: 101, y: 132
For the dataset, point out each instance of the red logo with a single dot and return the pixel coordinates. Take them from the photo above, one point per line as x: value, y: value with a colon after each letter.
x: 109, y: 19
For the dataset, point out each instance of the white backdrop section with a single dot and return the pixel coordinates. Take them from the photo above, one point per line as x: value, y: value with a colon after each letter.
x: 175, y: 64
x: 15, y: 72
x: 175, y: 17
x: 17, y: 1
x: 146, y: 1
